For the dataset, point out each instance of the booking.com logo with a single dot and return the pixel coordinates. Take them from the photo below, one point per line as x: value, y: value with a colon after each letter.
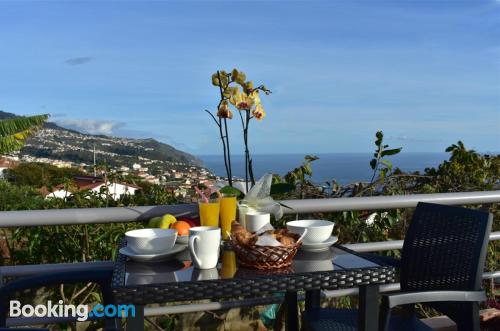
x: 80, y: 312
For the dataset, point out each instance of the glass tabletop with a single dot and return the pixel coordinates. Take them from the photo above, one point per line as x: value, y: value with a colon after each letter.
x: 180, y: 268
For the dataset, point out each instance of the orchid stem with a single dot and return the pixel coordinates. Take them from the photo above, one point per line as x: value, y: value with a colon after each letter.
x: 225, y: 139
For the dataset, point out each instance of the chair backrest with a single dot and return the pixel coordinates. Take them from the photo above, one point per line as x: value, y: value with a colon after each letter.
x: 444, y: 248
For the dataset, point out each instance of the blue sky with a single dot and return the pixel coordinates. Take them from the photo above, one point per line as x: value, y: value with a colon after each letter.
x: 427, y: 73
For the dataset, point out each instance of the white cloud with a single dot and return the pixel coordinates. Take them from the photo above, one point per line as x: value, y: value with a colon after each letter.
x: 91, y: 126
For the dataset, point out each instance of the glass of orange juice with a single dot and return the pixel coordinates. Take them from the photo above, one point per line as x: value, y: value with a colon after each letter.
x: 228, y: 264
x: 227, y: 213
x: 209, y: 212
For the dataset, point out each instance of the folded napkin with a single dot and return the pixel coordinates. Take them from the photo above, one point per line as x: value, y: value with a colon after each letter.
x: 267, y: 240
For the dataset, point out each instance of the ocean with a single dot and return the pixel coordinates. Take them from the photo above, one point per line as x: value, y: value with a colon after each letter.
x: 345, y: 168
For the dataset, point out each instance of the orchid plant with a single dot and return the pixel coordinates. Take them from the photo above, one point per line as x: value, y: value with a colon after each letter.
x: 238, y: 93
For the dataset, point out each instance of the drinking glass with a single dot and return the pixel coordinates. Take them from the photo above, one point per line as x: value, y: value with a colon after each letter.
x: 228, y: 264
x: 227, y: 213
x: 209, y: 212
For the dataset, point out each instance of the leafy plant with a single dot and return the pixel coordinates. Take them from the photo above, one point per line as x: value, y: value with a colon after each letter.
x: 302, y: 173
x: 40, y: 174
x: 14, y: 131
x: 379, y: 163
x: 70, y: 243
x: 231, y: 191
x: 466, y: 170
x: 282, y: 188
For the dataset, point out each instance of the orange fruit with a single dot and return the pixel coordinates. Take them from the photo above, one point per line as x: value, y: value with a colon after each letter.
x: 181, y: 227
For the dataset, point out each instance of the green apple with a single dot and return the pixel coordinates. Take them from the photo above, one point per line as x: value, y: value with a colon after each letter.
x: 153, y: 223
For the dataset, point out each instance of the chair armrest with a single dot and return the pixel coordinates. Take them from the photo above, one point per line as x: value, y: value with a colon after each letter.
x: 392, y: 300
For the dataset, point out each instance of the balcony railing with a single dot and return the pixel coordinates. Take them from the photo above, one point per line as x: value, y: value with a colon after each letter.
x: 131, y: 214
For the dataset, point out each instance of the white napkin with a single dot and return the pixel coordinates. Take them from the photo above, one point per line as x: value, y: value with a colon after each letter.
x: 267, y: 240
x: 258, y: 198
x: 266, y: 227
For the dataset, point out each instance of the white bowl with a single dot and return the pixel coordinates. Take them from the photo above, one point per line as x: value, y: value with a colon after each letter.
x: 151, y: 241
x: 317, y: 230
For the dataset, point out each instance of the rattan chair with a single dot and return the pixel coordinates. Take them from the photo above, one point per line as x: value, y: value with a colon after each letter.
x: 441, y: 266
x: 101, y: 276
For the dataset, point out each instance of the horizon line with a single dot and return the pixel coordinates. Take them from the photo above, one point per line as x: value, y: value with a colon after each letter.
x: 326, y: 153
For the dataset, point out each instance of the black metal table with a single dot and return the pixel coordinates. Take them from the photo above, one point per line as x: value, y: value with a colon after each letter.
x: 177, y: 280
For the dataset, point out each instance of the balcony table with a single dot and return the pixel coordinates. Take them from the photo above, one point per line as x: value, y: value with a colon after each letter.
x: 177, y: 280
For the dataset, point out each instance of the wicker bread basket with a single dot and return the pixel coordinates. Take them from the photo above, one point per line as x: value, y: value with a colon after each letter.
x: 265, y: 257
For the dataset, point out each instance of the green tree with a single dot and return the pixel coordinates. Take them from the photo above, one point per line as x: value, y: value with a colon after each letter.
x: 466, y: 170
x: 14, y: 131
x: 40, y: 174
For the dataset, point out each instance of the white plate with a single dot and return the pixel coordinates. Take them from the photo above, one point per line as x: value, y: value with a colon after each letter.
x: 152, y: 257
x: 324, y: 245
x: 183, y: 239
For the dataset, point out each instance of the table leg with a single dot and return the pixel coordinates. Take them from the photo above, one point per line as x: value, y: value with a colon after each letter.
x: 368, y: 308
x: 313, y: 299
x: 291, y: 312
x: 136, y: 323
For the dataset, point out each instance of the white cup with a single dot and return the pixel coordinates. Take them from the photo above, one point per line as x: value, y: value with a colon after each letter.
x: 204, y: 246
x: 256, y: 220
x: 242, y: 211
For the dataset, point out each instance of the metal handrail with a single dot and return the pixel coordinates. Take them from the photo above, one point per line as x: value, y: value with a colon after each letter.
x: 389, y: 202
x: 143, y: 213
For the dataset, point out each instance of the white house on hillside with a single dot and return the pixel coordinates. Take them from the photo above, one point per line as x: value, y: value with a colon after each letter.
x: 4, y: 165
x: 94, y: 184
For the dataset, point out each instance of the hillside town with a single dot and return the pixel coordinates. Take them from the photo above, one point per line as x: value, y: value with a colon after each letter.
x: 130, y: 162
x: 133, y: 161
x: 179, y: 181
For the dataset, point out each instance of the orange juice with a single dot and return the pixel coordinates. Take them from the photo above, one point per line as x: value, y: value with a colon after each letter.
x: 227, y: 214
x: 209, y: 212
x: 228, y: 264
